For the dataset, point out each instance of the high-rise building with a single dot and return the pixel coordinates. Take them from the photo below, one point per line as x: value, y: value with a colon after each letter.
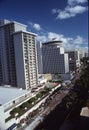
x: 55, y: 60
x: 18, y: 55
x: 39, y: 57
x: 74, y: 60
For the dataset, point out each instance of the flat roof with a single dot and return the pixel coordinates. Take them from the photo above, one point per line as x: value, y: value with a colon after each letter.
x: 21, y: 31
x: 9, y: 93
x: 10, y: 22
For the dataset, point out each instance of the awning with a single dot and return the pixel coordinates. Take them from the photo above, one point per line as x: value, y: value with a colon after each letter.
x: 12, y: 127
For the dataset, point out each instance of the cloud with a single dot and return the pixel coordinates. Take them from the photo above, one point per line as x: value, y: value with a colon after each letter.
x: 79, y: 40
x: 36, y: 26
x: 73, y: 2
x: 68, y: 42
x: 72, y: 9
x: 71, y: 12
x: 77, y: 9
x: 64, y: 15
x: 77, y: 43
x: 51, y: 35
x: 61, y: 37
x: 54, y: 11
x: 42, y: 38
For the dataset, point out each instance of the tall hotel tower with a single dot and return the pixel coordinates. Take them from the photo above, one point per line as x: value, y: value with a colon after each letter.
x: 18, y: 58
x: 54, y: 59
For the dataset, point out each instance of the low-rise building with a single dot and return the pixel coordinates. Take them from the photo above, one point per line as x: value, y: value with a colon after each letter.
x: 42, y: 80
x: 10, y: 98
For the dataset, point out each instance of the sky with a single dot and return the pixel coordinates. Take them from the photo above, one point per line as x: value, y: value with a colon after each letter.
x: 65, y: 20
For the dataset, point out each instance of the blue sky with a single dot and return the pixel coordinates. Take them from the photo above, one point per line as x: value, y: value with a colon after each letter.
x: 65, y: 20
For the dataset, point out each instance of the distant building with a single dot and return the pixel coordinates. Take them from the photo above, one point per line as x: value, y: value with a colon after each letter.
x: 86, y: 54
x: 54, y: 59
x: 42, y: 79
x: 74, y: 60
x: 18, y: 63
x: 81, y: 53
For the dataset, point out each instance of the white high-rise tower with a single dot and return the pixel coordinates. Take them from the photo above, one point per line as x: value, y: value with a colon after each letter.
x: 18, y: 55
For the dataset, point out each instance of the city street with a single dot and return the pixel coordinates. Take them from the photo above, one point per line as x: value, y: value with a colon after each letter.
x: 57, y: 98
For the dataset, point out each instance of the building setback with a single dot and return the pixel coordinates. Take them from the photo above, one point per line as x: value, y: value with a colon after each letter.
x: 18, y: 55
x: 54, y: 60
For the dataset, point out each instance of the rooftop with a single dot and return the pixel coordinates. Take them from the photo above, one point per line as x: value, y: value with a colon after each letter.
x: 9, y: 22
x: 53, y: 42
x: 21, y: 31
x: 9, y: 93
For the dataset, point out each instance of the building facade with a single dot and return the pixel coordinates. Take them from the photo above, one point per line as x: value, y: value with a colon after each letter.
x: 39, y: 57
x: 26, y: 59
x: 15, y: 44
x: 55, y: 61
x: 11, y: 98
x: 74, y: 60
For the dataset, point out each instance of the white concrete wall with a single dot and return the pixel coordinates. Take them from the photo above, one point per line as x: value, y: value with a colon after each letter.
x: 2, y: 119
x: 61, y: 50
x: 5, y: 21
x: 66, y: 62
x: 19, y: 27
x: 19, y: 58
x: 10, y: 123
